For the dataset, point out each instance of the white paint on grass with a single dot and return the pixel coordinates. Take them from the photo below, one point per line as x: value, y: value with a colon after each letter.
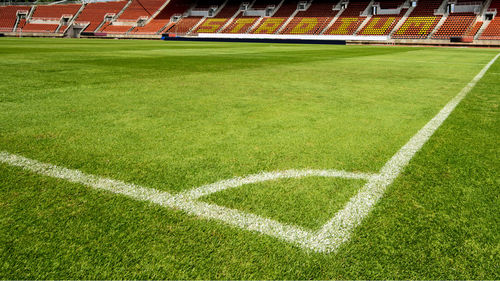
x: 268, y: 176
x: 328, y: 239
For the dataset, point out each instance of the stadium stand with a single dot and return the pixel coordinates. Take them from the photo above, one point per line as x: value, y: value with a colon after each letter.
x: 240, y: 24
x: 421, y: 22
x: 8, y: 16
x: 492, y: 31
x: 153, y: 27
x: 455, y: 25
x: 272, y: 24
x: 174, y: 7
x: 389, y: 13
x: 244, y: 22
x: 350, y: 19
x: 379, y: 25
x: 29, y: 27
x: 212, y: 25
x: 163, y: 21
x: 199, y: 12
x: 399, y: 19
x: 117, y: 29
x: 55, y: 11
x: 475, y: 28
x: 185, y: 25
x: 47, y: 18
x: 313, y: 20
x: 94, y: 13
x: 138, y: 9
x: 21, y: 25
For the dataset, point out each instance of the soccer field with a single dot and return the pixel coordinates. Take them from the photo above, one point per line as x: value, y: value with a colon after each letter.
x: 178, y: 160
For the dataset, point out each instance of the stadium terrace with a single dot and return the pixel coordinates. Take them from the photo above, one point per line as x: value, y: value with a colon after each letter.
x: 353, y: 21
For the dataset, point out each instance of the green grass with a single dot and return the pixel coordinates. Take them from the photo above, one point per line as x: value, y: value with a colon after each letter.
x: 174, y: 116
x: 309, y: 202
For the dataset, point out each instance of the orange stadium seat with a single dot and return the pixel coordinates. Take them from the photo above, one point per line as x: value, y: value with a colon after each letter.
x: 492, y: 31
x: 272, y: 25
x: 55, y: 11
x: 8, y: 16
x: 153, y: 27
x: 455, y: 25
x: 421, y: 21
x: 185, y: 25
x: 243, y: 24
x: 349, y: 20
x: 116, y: 28
x: 94, y: 13
x: 29, y: 27
x: 213, y: 25
x: 138, y: 9
x: 313, y: 20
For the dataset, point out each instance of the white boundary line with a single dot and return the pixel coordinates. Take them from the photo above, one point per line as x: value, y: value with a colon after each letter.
x: 268, y: 176
x: 328, y: 239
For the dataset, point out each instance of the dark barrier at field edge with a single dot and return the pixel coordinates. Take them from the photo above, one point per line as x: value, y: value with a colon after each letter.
x: 2, y: 35
x: 170, y: 37
x: 462, y: 39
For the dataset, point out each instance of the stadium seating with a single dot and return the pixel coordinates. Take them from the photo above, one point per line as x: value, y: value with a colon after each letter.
x: 383, y: 24
x: 417, y: 27
x: 153, y: 27
x: 46, y: 16
x: 8, y: 16
x: 20, y: 25
x: 174, y: 7
x: 50, y: 28
x: 63, y: 28
x: 492, y: 31
x: 94, y: 13
x: 455, y: 25
x: 473, y: 31
x: 138, y: 9
x: 269, y: 25
x: 262, y: 4
x: 326, y: 17
x: 55, y: 11
x: 421, y: 22
x: 349, y: 20
x: 380, y: 25
x: 272, y: 25
x: 212, y: 25
x: 109, y: 28
x: 185, y: 25
x: 313, y: 20
x: 242, y: 23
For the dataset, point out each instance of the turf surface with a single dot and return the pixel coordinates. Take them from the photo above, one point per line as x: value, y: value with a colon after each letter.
x: 174, y: 116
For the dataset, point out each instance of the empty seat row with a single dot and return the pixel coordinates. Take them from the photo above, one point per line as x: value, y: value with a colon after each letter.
x: 417, y: 27
x: 455, y: 25
x: 94, y: 13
